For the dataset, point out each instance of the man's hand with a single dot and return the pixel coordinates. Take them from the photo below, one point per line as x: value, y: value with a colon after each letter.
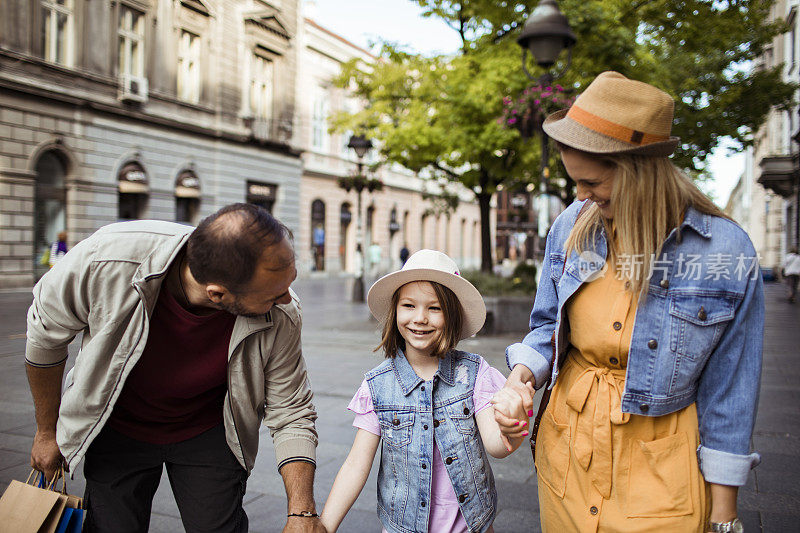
x: 46, y: 391
x: 45, y: 455
x: 298, y: 524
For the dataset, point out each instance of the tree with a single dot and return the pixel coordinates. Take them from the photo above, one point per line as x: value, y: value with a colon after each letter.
x: 439, y: 115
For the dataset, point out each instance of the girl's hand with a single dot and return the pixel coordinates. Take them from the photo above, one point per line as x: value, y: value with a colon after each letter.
x: 513, y: 406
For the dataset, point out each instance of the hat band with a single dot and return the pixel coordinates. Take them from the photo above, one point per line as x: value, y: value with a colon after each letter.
x: 611, y: 129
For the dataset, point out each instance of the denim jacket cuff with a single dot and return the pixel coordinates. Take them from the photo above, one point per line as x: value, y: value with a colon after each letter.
x: 726, y: 468
x: 522, y: 354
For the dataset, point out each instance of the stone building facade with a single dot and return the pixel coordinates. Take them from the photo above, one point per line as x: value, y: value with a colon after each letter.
x: 124, y: 109
x: 393, y: 217
x: 771, y: 188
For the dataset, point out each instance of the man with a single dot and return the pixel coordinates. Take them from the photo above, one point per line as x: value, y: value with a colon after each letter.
x: 190, y: 340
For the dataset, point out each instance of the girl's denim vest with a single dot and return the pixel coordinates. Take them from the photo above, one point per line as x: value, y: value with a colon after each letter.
x: 413, y: 414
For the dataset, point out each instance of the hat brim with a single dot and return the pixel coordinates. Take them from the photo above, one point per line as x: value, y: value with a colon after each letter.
x: 575, y: 135
x: 473, y: 307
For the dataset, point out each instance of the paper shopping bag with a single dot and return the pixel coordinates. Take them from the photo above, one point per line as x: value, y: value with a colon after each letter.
x: 25, y: 508
x: 72, y: 515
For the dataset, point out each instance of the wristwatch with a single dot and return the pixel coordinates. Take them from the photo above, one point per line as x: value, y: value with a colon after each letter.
x: 734, y: 526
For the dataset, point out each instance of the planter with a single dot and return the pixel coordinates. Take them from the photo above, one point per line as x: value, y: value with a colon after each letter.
x: 507, y: 314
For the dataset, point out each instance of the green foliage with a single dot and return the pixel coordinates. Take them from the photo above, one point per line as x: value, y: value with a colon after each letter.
x: 439, y: 115
x: 492, y: 285
x: 525, y: 270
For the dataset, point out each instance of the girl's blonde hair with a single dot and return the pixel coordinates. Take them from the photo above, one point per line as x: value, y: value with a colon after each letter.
x: 391, y: 340
x: 649, y: 199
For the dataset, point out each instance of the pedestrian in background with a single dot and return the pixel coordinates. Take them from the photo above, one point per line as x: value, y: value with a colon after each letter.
x: 191, y: 340
x: 58, y: 249
x: 791, y: 271
x: 656, y: 379
x: 427, y: 406
x: 404, y: 253
x: 374, y: 252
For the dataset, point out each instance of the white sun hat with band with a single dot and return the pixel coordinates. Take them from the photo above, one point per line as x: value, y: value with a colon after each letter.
x: 430, y: 265
x: 616, y: 115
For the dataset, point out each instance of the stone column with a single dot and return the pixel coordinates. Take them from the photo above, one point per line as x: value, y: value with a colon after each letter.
x: 17, y: 190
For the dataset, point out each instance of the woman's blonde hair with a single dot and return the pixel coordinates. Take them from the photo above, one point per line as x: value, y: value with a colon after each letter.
x: 391, y: 340
x: 649, y: 199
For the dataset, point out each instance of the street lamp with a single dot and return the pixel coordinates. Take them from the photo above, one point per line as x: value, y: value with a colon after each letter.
x: 546, y: 34
x: 361, y: 145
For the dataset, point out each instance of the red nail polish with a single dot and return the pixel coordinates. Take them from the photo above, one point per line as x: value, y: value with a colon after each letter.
x: 516, y: 423
x: 524, y: 424
x: 530, y: 413
x: 524, y: 433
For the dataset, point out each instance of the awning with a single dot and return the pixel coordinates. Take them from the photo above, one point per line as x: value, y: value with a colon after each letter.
x: 187, y: 185
x: 133, y: 179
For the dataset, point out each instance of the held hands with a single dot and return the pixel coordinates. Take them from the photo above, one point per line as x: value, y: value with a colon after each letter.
x: 301, y: 524
x: 513, y: 407
x: 45, y: 455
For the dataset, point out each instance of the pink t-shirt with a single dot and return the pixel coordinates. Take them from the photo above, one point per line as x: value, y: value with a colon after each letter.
x: 445, y: 514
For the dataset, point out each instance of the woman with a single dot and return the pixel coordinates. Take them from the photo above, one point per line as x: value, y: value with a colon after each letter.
x: 655, y: 303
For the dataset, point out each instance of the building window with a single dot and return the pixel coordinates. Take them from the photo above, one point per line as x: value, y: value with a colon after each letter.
x: 189, y: 67
x: 320, y: 121
x: 187, y: 197
x: 318, y: 235
x: 131, y: 41
x: 57, y: 31
x: 133, y: 192
x: 261, y: 82
x: 345, y: 217
x: 262, y: 194
x: 50, y: 205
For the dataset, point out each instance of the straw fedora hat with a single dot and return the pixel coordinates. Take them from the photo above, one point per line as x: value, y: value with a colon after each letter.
x: 615, y: 115
x: 430, y: 265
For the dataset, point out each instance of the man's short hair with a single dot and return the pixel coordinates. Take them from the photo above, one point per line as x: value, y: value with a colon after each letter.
x: 226, y: 247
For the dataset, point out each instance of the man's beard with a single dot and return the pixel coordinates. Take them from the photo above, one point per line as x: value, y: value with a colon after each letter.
x: 237, y: 309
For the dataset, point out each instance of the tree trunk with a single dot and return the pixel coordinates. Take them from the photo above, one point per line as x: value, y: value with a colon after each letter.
x: 484, y: 201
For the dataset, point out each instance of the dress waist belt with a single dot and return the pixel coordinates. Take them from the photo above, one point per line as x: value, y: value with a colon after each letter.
x: 593, y: 442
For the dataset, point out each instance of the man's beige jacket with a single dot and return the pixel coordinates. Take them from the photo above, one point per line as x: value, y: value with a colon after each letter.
x: 106, y: 287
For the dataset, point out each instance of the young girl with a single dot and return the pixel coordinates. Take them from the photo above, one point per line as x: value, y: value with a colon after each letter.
x: 425, y: 406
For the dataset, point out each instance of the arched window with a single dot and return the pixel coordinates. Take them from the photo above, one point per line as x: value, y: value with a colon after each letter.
x: 133, y: 190
x: 50, y: 216
x: 187, y: 197
x: 345, y: 217
x: 318, y: 235
x: 370, y: 235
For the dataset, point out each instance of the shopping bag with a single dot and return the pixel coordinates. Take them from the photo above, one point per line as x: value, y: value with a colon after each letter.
x: 25, y: 508
x: 72, y: 514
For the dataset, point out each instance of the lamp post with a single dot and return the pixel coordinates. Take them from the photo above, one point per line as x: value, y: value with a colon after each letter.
x: 361, y: 145
x: 546, y: 34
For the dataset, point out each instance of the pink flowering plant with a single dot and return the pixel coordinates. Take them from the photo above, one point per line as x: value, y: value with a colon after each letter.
x: 526, y: 112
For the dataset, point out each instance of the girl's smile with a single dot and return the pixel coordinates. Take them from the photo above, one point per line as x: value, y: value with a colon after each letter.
x: 419, y: 318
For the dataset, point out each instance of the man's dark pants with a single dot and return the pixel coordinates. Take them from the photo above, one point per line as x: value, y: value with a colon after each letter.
x: 122, y: 476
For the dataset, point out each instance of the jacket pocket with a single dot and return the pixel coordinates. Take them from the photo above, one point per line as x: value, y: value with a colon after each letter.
x: 697, y: 322
x: 553, y: 453
x: 461, y: 414
x: 659, y: 479
x: 556, y: 265
x: 396, y: 427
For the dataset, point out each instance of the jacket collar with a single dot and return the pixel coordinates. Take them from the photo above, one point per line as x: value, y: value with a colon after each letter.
x: 409, y: 379
x: 700, y: 222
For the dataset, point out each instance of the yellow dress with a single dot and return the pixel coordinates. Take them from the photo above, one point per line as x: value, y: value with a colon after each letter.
x: 599, y: 469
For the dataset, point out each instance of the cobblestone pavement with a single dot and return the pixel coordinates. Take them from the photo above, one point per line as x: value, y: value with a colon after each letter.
x: 338, y: 338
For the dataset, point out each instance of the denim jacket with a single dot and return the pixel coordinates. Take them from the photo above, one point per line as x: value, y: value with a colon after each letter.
x: 697, y: 336
x: 412, y: 414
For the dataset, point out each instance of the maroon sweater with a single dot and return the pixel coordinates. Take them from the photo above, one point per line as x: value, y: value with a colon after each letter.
x: 177, y: 389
